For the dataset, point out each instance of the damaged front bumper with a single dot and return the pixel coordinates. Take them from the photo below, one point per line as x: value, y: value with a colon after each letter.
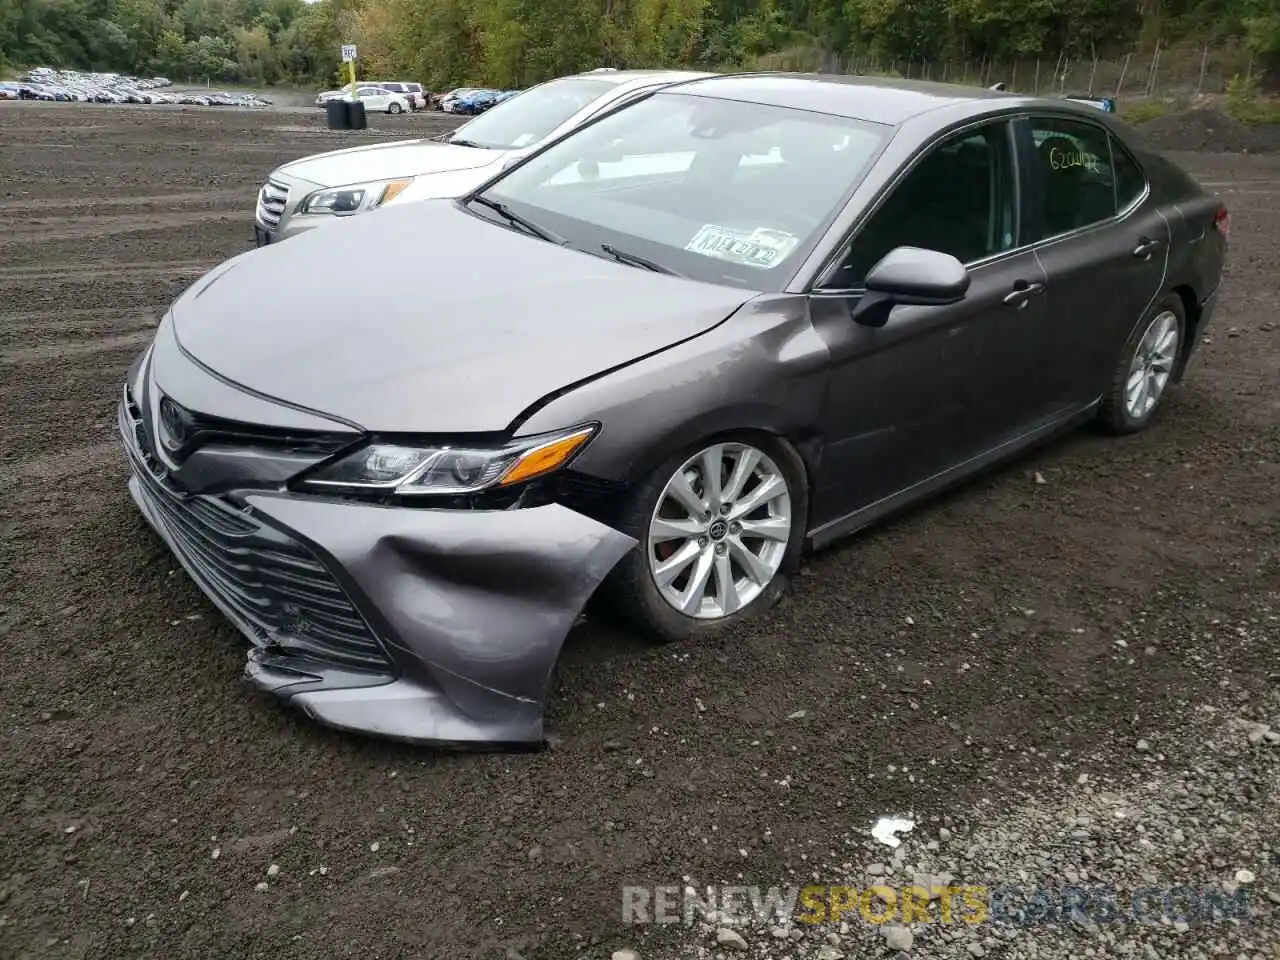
x: 422, y: 625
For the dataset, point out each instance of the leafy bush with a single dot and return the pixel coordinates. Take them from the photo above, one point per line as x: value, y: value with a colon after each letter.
x: 1247, y: 104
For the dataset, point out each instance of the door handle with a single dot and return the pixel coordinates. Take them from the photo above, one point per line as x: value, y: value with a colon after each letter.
x: 1022, y: 292
x: 1146, y: 247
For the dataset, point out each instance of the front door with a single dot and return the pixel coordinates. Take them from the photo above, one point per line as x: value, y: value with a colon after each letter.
x: 935, y: 386
x: 374, y: 99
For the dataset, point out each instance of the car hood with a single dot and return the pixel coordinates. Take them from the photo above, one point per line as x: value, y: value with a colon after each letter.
x: 428, y: 319
x: 385, y: 161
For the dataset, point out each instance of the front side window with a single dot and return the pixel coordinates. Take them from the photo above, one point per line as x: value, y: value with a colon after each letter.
x: 718, y: 190
x: 1076, y: 182
x: 532, y: 115
x: 959, y: 199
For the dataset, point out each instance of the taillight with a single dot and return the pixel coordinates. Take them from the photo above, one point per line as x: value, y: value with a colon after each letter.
x: 1222, y: 222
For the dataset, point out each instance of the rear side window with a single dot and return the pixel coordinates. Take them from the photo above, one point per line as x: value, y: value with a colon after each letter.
x: 1130, y: 180
x: 1076, y: 183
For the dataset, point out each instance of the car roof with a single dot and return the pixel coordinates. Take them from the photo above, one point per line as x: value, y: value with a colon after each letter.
x: 640, y: 77
x: 875, y: 99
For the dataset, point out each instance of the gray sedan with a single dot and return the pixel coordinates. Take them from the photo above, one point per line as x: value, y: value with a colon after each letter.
x: 662, y: 356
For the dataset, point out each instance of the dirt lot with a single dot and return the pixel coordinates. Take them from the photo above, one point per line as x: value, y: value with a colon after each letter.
x: 975, y: 642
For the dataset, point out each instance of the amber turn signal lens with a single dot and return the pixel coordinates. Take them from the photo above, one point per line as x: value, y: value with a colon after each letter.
x: 393, y: 190
x: 545, y: 458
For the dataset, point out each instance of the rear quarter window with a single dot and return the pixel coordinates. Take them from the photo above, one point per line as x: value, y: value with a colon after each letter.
x: 1130, y: 180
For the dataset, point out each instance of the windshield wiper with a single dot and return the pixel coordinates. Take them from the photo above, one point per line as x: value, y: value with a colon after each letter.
x: 622, y: 256
x: 460, y: 142
x: 502, y: 210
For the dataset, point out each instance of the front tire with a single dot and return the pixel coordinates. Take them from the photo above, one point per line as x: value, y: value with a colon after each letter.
x: 394, y: 108
x: 1145, y: 368
x: 720, y: 529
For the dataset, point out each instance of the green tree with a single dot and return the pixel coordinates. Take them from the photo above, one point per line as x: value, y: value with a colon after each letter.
x: 511, y: 43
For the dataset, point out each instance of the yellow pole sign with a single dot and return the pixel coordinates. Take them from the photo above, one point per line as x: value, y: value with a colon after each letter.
x: 349, y: 58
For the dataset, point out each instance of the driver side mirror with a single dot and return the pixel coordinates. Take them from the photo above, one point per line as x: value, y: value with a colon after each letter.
x: 910, y: 276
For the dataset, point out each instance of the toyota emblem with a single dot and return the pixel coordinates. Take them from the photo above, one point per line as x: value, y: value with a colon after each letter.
x: 174, y: 434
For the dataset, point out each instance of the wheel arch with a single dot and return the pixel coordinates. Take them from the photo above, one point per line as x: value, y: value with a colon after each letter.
x: 759, y: 422
x: 1191, y: 312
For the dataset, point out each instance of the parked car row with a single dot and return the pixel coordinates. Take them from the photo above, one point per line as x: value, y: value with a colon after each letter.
x: 469, y: 101
x: 72, y: 86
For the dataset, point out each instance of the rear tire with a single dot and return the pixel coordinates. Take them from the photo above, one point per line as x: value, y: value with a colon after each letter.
x: 723, y: 561
x: 1145, y: 368
x: 394, y: 108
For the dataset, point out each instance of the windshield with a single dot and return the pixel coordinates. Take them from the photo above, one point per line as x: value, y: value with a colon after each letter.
x: 529, y: 116
x: 717, y: 190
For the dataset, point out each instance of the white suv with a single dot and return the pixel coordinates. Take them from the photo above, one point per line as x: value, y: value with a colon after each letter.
x: 412, y: 92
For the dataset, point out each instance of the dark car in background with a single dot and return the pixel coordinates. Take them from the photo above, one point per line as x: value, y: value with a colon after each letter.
x: 738, y: 318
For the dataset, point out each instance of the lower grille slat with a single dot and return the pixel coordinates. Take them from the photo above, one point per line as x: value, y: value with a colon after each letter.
x: 238, y: 577
x: 274, y: 584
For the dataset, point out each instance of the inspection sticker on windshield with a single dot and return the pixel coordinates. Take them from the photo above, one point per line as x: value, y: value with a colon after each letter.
x: 760, y: 248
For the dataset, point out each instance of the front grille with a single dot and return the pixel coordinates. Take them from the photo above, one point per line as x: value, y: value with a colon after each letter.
x: 202, y: 430
x: 271, y: 202
x: 273, y: 585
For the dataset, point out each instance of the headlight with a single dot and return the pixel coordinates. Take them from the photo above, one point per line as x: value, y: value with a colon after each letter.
x: 353, y: 198
x: 448, y: 470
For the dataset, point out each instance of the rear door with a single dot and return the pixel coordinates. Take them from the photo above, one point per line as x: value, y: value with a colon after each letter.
x: 1102, y: 242
x: 935, y: 386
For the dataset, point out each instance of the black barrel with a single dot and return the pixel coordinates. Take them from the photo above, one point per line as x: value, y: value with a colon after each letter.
x: 337, y: 115
x: 356, y: 116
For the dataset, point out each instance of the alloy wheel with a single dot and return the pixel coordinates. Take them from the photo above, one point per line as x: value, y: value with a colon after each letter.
x: 1152, y: 365
x: 719, y: 532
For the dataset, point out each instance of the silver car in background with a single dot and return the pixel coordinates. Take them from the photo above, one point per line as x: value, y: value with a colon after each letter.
x: 327, y: 187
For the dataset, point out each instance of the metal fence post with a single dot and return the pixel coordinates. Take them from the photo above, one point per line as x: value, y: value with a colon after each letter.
x: 1123, y: 70
x: 1151, y: 74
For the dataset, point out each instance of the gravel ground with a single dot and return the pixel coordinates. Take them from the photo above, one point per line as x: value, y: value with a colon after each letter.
x: 1209, y: 129
x: 1120, y: 863
x: 971, y: 660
